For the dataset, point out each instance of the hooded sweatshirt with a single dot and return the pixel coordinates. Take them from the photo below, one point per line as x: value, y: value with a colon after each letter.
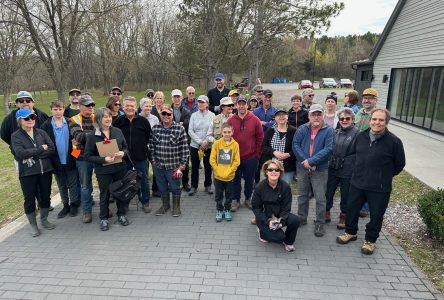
x: 225, y: 159
x: 248, y: 133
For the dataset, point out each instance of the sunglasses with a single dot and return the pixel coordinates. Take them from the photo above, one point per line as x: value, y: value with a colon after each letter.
x: 150, y: 95
x: 345, y: 119
x: 31, y: 117
x: 311, y: 95
x: 117, y: 104
x: 116, y: 94
x: 229, y: 105
x: 273, y: 170
x: 24, y: 100
x: 260, y: 92
x: 74, y: 94
x: 90, y: 105
x: 191, y: 93
x: 164, y: 113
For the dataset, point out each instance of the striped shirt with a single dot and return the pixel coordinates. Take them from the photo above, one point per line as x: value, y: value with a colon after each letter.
x: 362, y: 120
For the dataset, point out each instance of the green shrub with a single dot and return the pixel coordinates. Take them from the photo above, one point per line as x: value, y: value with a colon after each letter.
x: 431, y: 209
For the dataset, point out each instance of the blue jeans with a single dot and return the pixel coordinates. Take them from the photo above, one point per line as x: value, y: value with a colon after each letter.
x: 288, y: 177
x: 247, y: 170
x: 85, y: 169
x: 69, y: 186
x: 166, y: 182
x: 318, y: 180
x: 142, y: 166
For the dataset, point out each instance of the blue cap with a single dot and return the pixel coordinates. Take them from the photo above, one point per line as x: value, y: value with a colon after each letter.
x: 24, y: 94
x: 219, y: 76
x: 23, y: 113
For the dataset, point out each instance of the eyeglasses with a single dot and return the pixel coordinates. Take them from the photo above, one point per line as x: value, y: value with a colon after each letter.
x: 116, y: 94
x: 74, y: 94
x: 117, y: 104
x: 273, y: 170
x: 191, y: 93
x: 24, y: 100
x: 31, y: 117
x: 164, y: 113
x: 90, y: 105
x: 345, y: 119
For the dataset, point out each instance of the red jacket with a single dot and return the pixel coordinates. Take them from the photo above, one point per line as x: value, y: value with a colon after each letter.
x: 248, y: 134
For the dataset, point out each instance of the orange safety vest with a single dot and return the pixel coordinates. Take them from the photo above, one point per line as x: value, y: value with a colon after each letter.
x: 78, y: 120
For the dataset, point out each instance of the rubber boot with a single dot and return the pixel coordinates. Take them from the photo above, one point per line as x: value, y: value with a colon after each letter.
x: 33, y: 223
x: 176, y: 206
x: 165, y: 205
x: 44, y: 219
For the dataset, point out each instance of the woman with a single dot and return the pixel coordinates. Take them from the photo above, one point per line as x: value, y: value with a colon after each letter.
x: 159, y: 101
x: 296, y: 115
x: 272, y: 205
x: 32, y: 149
x: 200, y: 121
x: 253, y: 103
x: 330, y: 116
x: 146, y: 105
x: 351, y: 100
x: 277, y: 144
x: 341, y: 164
x: 114, y: 105
x: 108, y: 168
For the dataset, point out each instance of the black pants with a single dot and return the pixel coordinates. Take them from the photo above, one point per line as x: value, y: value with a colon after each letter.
x: 186, y: 173
x: 378, y: 203
x: 279, y: 236
x: 104, y: 181
x: 36, y: 184
x: 257, y: 174
x: 332, y: 184
x: 221, y: 187
x: 195, y: 162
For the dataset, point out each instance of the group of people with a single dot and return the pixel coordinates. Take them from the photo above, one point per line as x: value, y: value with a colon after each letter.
x: 236, y: 138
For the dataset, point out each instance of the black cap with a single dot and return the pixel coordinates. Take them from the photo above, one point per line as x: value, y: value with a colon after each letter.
x: 333, y: 97
x: 268, y: 93
x: 280, y: 110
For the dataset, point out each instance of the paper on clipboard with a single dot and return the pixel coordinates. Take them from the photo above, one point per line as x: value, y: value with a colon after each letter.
x: 109, y: 150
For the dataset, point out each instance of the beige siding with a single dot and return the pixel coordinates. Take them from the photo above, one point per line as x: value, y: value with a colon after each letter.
x: 415, y: 40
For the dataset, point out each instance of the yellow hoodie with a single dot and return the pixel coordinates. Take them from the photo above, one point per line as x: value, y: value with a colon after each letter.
x: 225, y: 159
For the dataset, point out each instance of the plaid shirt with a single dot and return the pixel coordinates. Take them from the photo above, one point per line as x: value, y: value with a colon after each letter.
x: 278, y: 144
x: 362, y: 120
x: 169, y: 146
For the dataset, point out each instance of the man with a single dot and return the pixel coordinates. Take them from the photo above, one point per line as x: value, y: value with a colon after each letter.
x: 79, y: 126
x: 312, y: 145
x: 258, y: 90
x: 190, y: 102
x: 182, y: 116
x: 249, y: 135
x: 137, y: 130
x: 379, y: 157
x: 169, y: 150
x: 215, y: 130
x: 149, y: 93
x: 307, y: 99
x: 117, y: 92
x: 214, y: 95
x: 73, y: 107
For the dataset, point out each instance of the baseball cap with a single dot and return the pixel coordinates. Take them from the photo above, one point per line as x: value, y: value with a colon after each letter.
x: 85, y: 100
x: 24, y: 113
x: 306, y: 92
x: 370, y: 92
x: 280, y: 110
x: 242, y: 98
x: 74, y: 90
x: 316, y: 107
x: 202, y: 98
x: 24, y: 94
x: 268, y: 93
x: 219, y: 76
x: 226, y: 101
x: 232, y: 92
x: 258, y: 88
x: 116, y: 88
x: 253, y: 98
x: 176, y: 92
x: 149, y: 91
x: 166, y: 108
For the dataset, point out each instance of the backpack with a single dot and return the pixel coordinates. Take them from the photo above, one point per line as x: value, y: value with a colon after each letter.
x: 125, y: 189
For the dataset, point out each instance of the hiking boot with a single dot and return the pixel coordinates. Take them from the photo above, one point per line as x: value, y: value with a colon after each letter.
x: 259, y: 236
x: 235, y: 206
x: 146, y: 208
x: 104, y: 225
x: 228, y: 216
x: 363, y: 213
x: 176, y: 206
x: 33, y: 223
x: 123, y: 220
x: 341, y: 222
x: 44, y: 219
x: 319, y: 230
x: 368, y: 248
x: 219, y: 216
x: 327, y: 217
x: 165, y: 205
x: 208, y: 190
x: 247, y: 203
x: 73, y: 210
x: 345, y: 238
x: 253, y: 221
x: 87, y: 218
x: 187, y: 187
x: 64, y: 212
x: 288, y: 248
x: 193, y: 191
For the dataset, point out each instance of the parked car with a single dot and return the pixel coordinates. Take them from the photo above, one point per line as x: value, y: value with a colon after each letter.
x: 242, y: 84
x: 345, y: 83
x: 305, y: 84
x: 328, y: 83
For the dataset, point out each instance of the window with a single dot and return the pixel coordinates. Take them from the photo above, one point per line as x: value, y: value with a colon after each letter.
x: 366, y: 75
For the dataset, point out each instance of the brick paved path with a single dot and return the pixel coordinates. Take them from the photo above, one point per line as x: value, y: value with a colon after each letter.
x: 192, y: 257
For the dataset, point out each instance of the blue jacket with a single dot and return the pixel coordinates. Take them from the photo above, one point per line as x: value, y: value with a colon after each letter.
x: 324, y: 144
x: 265, y: 116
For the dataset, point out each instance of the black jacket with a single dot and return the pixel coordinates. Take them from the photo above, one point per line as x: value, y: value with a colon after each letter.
x: 377, y: 162
x: 267, y: 150
x: 92, y: 154
x: 9, y: 124
x: 71, y: 161
x: 342, y: 160
x: 137, y: 134
x: 267, y: 201
x: 31, y: 157
x: 300, y: 117
x: 214, y: 97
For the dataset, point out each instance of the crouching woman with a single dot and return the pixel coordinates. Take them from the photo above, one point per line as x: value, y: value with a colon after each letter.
x: 271, y: 206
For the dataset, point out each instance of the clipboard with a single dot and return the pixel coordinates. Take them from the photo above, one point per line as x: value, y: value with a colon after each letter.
x: 108, y: 150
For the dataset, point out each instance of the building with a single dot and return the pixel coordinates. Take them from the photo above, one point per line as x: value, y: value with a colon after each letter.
x: 406, y: 65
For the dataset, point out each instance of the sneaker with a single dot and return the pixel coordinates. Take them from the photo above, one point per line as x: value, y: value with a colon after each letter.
x: 327, y: 217
x: 259, y: 236
x: 187, y: 187
x: 208, y: 190
x: 219, y: 216
x: 341, y: 222
x: 87, y: 218
x: 247, y: 203
x: 368, y: 248
x: 319, y: 230
x: 146, y: 208
x: 228, y: 216
x: 253, y: 221
x: 123, y: 220
x: 235, y: 206
x: 345, y: 238
x: 363, y: 213
x: 104, y: 225
x: 288, y: 248
x: 193, y: 191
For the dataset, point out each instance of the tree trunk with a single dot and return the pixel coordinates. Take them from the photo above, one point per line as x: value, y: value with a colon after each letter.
x: 6, y: 99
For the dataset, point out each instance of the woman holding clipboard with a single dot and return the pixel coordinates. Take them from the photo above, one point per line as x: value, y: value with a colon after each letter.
x: 105, y: 147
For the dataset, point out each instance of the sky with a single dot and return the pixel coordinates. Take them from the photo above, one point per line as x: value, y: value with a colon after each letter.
x: 361, y: 16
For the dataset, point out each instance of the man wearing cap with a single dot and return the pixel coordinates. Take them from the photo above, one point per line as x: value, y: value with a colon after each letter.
x: 182, y: 116
x: 313, y: 145
x: 117, y: 92
x: 214, y: 95
x: 73, y: 107
x: 79, y: 126
x: 169, y: 153
x: 258, y: 90
x: 215, y: 129
x: 190, y: 102
x: 249, y: 135
x: 369, y: 100
x: 136, y: 130
x: 307, y: 98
